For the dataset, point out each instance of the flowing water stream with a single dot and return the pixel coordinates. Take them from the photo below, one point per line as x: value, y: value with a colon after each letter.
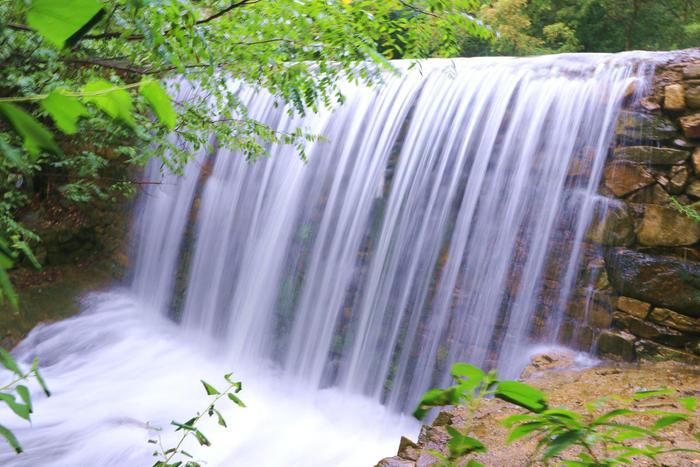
x: 339, y: 289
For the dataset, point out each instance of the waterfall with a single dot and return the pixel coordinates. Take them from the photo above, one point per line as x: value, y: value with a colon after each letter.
x: 418, y: 233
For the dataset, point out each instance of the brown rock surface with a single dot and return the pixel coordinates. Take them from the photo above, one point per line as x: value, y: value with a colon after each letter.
x: 571, y: 390
x: 633, y: 307
x: 691, y: 125
x: 625, y: 177
x: 665, y: 226
x: 674, y: 97
x: 651, y: 155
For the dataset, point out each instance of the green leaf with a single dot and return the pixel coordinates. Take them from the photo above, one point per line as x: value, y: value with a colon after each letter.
x: 201, y: 438
x: 40, y: 379
x: 689, y: 403
x: 209, y: 388
x: 24, y: 395
x: 522, y: 395
x: 220, y: 418
x: 460, y: 445
x: 612, y: 414
x: 465, y: 370
x: 10, y: 438
x: 65, y: 111
x: 182, y: 426
x: 560, y: 442
x: 6, y: 289
x: 111, y: 99
x: 160, y: 102
x: 34, y: 134
x: 235, y: 400
x: 473, y: 463
x: 8, y: 362
x: 524, y: 430
x: 667, y: 420
x: 436, y: 398
x: 652, y: 393
x: 58, y: 20
x: 21, y: 410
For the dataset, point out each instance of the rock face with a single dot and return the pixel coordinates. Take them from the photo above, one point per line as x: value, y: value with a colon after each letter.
x: 625, y: 177
x: 663, y: 281
x: 644, y: 126
x: 666, y: 226
x: 611, y: 224
x: 674, y: 97
x: 651, y: 155
x: 691, y: 125
x: 692, y: 97
x: 617, y: 345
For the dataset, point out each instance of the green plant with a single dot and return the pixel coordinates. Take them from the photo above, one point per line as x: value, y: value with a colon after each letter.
x: 603, y: 435
x: 16, y: 395
x: 472, y: 386
x: 177, y: 456
x: 690, y: 210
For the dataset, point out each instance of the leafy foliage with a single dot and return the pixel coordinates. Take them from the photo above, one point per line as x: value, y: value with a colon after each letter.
x: 16, y: 396
x: 177, y: 456
x: 83, y: 81
x: 602, y: 436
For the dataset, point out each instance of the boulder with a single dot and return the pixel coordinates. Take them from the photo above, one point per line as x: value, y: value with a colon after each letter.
x: 623, y: 177
x: 666, y: 226
x: 674, y: 97
x: 618, y: 345
x: 633, y: 307
x: 692, y: 98
x: 643, y: 126
x: 408, y: 449
x: 648, y: 350
x: 652, y: 194
x: 651, y: 155
x: 693, y: 189
x: 648, y: 330
x: 664, y: 281
x: 612, y: 224
x: 696, y: 160
x: 674, y: 320
x: 548, y: 362
x: 692, y: 71
x: 691, y: 125
x: 678, y: 179
x: 599, y: 316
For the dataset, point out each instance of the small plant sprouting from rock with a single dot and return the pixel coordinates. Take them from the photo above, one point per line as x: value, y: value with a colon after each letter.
x: 689, y: 210
x: 608, y: 433
x: 10, y: 392
x: 472, y: 386
x: 176, y: 456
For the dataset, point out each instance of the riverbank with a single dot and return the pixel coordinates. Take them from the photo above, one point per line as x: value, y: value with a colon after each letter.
x: 568, y: 389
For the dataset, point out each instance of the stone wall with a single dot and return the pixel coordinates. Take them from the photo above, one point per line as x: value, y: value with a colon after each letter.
x: 641, y: 296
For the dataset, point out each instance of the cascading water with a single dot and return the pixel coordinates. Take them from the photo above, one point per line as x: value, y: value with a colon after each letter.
x: 416, y: 235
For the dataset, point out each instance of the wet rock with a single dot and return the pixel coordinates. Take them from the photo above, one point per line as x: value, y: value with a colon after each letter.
x: 443, y: 418
x: 696, y: 160
x: 674, y: 320
x: 643, y: 126
x: 691, y: 71
x: 548, y: 362
x: 617, y: 345
x: 395, y: 461
x: 650, y: 103
x: 692, y: 98
x: 651, y: 155
x: 665, y: 226
x: 691, y: 125
x: 661, y: 280
x: 599, y: 316
x: 624, y: 177
x: 653, y: 194
x: 408, y: 449
x: 648, y: 350
x: 678, y: 179
x: 649, y: 330
x: 612, y: 224
x: 674, y: 97
x: 693, y: 189
x: 633, y: 307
